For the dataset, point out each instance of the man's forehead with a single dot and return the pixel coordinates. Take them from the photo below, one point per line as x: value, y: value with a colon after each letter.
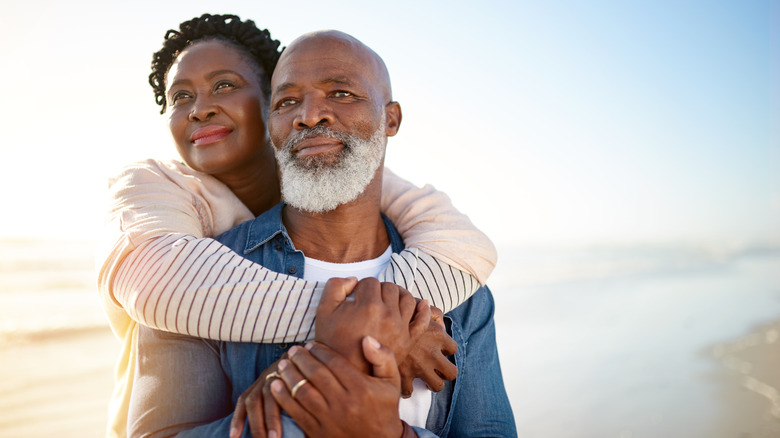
x: 322, y: 70
x: 330, y: 57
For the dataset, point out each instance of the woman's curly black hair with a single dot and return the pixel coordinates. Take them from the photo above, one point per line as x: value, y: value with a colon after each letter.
x: 245, y: 35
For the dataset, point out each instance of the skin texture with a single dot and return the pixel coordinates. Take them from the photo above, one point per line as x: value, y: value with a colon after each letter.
x: 213, y: 89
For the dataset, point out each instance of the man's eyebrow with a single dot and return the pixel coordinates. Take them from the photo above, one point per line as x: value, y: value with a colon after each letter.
x: 284, y: 87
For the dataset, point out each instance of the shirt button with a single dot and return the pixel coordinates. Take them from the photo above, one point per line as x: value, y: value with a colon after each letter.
x: 278, y: 247
x: 292, y: 270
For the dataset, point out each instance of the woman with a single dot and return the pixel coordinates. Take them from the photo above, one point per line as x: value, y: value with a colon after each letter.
x: 158, y: 266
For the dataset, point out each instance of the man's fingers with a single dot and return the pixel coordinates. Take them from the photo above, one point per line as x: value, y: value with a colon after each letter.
x: 382, y: 359
x: 336, y: 291
x: 421, y: 319
x: 437, y: 316
x: 239, y: 416
x: 284, y: 398
x: 408, y: 305
x: 406, y: 386
x: 271, y: 411
x: 450, y: 347
x: 367, y: 290
x: 254, y: 410
x: 433, y: 380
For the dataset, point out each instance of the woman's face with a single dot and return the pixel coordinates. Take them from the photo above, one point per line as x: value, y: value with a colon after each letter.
x: 216, y: 109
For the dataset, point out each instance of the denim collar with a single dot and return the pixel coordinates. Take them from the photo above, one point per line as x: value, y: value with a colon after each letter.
x: 264, y: 228
x: 269, y: 224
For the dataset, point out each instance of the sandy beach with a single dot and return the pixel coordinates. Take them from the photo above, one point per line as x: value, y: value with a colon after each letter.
x: 625, y: 346
x: 57, y: 384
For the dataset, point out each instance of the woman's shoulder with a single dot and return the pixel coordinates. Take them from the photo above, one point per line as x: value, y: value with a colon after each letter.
x: 157, y: 171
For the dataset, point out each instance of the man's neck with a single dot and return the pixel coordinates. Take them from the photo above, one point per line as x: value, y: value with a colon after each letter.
x: 350, y: 233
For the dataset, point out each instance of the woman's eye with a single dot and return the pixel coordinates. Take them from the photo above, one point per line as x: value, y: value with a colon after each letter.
x: 221, y: 85
x: 179, y: 95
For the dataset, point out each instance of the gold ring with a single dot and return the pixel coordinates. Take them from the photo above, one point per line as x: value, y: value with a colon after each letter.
x: 298, y: 386
x: 273, y: 375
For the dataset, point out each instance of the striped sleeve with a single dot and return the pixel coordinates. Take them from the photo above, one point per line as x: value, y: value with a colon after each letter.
x: 199, y: 287
x: 426, y: 277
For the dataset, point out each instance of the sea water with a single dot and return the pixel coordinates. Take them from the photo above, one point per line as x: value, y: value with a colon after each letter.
x: 619, y: 342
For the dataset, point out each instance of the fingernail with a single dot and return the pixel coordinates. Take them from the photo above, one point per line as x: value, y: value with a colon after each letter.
x: 277, y: 385
x: 282, y: 364
x: 271, y: 434
x: 426, y: 303
x: 293, y: 351
x: 309, y: 346
x: 233, y: 432
x: 373, y: 342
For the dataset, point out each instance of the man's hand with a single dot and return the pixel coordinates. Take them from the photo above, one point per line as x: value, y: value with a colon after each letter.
x: 382, y: 311
x: 258, y: 405
x: 427, y: 359
x: 338, y: 400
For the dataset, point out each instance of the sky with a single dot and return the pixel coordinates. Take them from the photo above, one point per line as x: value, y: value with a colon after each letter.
x: 548, y: 123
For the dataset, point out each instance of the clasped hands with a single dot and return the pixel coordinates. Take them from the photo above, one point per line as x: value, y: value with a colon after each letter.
x: 366, y: 351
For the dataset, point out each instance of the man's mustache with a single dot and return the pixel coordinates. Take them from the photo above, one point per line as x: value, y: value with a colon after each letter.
x: 317, y: 131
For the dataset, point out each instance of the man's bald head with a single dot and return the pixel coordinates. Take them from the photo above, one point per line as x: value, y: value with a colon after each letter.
x: 348, y: 50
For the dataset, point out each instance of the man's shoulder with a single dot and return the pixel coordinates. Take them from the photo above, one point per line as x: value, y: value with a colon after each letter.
x: 476, y: 311
x: 396, y: 241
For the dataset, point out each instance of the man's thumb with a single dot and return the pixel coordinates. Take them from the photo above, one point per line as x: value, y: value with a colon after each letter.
x: 382, y: 359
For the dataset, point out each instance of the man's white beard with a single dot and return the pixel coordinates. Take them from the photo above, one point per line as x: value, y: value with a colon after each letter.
x: 317, y: 186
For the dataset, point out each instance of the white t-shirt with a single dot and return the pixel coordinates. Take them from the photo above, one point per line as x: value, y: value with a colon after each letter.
x: 414, y: 410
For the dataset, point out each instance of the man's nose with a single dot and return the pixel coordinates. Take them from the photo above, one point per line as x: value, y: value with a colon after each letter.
x: 312, y: 112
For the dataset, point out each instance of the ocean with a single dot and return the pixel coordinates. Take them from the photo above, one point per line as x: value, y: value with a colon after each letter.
x: 594, y: 342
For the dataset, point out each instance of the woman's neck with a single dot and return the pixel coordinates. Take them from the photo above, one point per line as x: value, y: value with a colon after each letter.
x: 256, y: 183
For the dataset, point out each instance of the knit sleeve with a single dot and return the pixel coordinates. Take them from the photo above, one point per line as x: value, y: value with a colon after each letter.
x: 188, y: 283
x: 447, y: 258
x: 199, y: 287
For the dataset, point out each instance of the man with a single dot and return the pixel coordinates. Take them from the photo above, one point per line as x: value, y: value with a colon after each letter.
x: 331, y: 114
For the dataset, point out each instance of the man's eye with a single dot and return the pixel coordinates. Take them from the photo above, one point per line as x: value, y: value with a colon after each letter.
x: 342, y: 93
x: 286, y: 102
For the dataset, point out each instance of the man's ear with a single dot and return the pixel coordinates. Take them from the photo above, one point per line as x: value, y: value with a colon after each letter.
x: 392, y: 118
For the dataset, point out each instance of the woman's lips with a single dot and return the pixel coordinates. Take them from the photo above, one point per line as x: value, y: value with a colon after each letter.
x: 209, y: 134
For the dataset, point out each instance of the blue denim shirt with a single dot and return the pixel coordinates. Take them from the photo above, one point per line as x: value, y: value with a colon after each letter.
x: 474, y: 405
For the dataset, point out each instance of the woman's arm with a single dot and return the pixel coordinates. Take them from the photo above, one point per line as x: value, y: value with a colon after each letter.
x: 165, y: 273
x: 447, y: 257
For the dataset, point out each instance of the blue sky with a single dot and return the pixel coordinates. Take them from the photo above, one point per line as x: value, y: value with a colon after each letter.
x: 554, y: 122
